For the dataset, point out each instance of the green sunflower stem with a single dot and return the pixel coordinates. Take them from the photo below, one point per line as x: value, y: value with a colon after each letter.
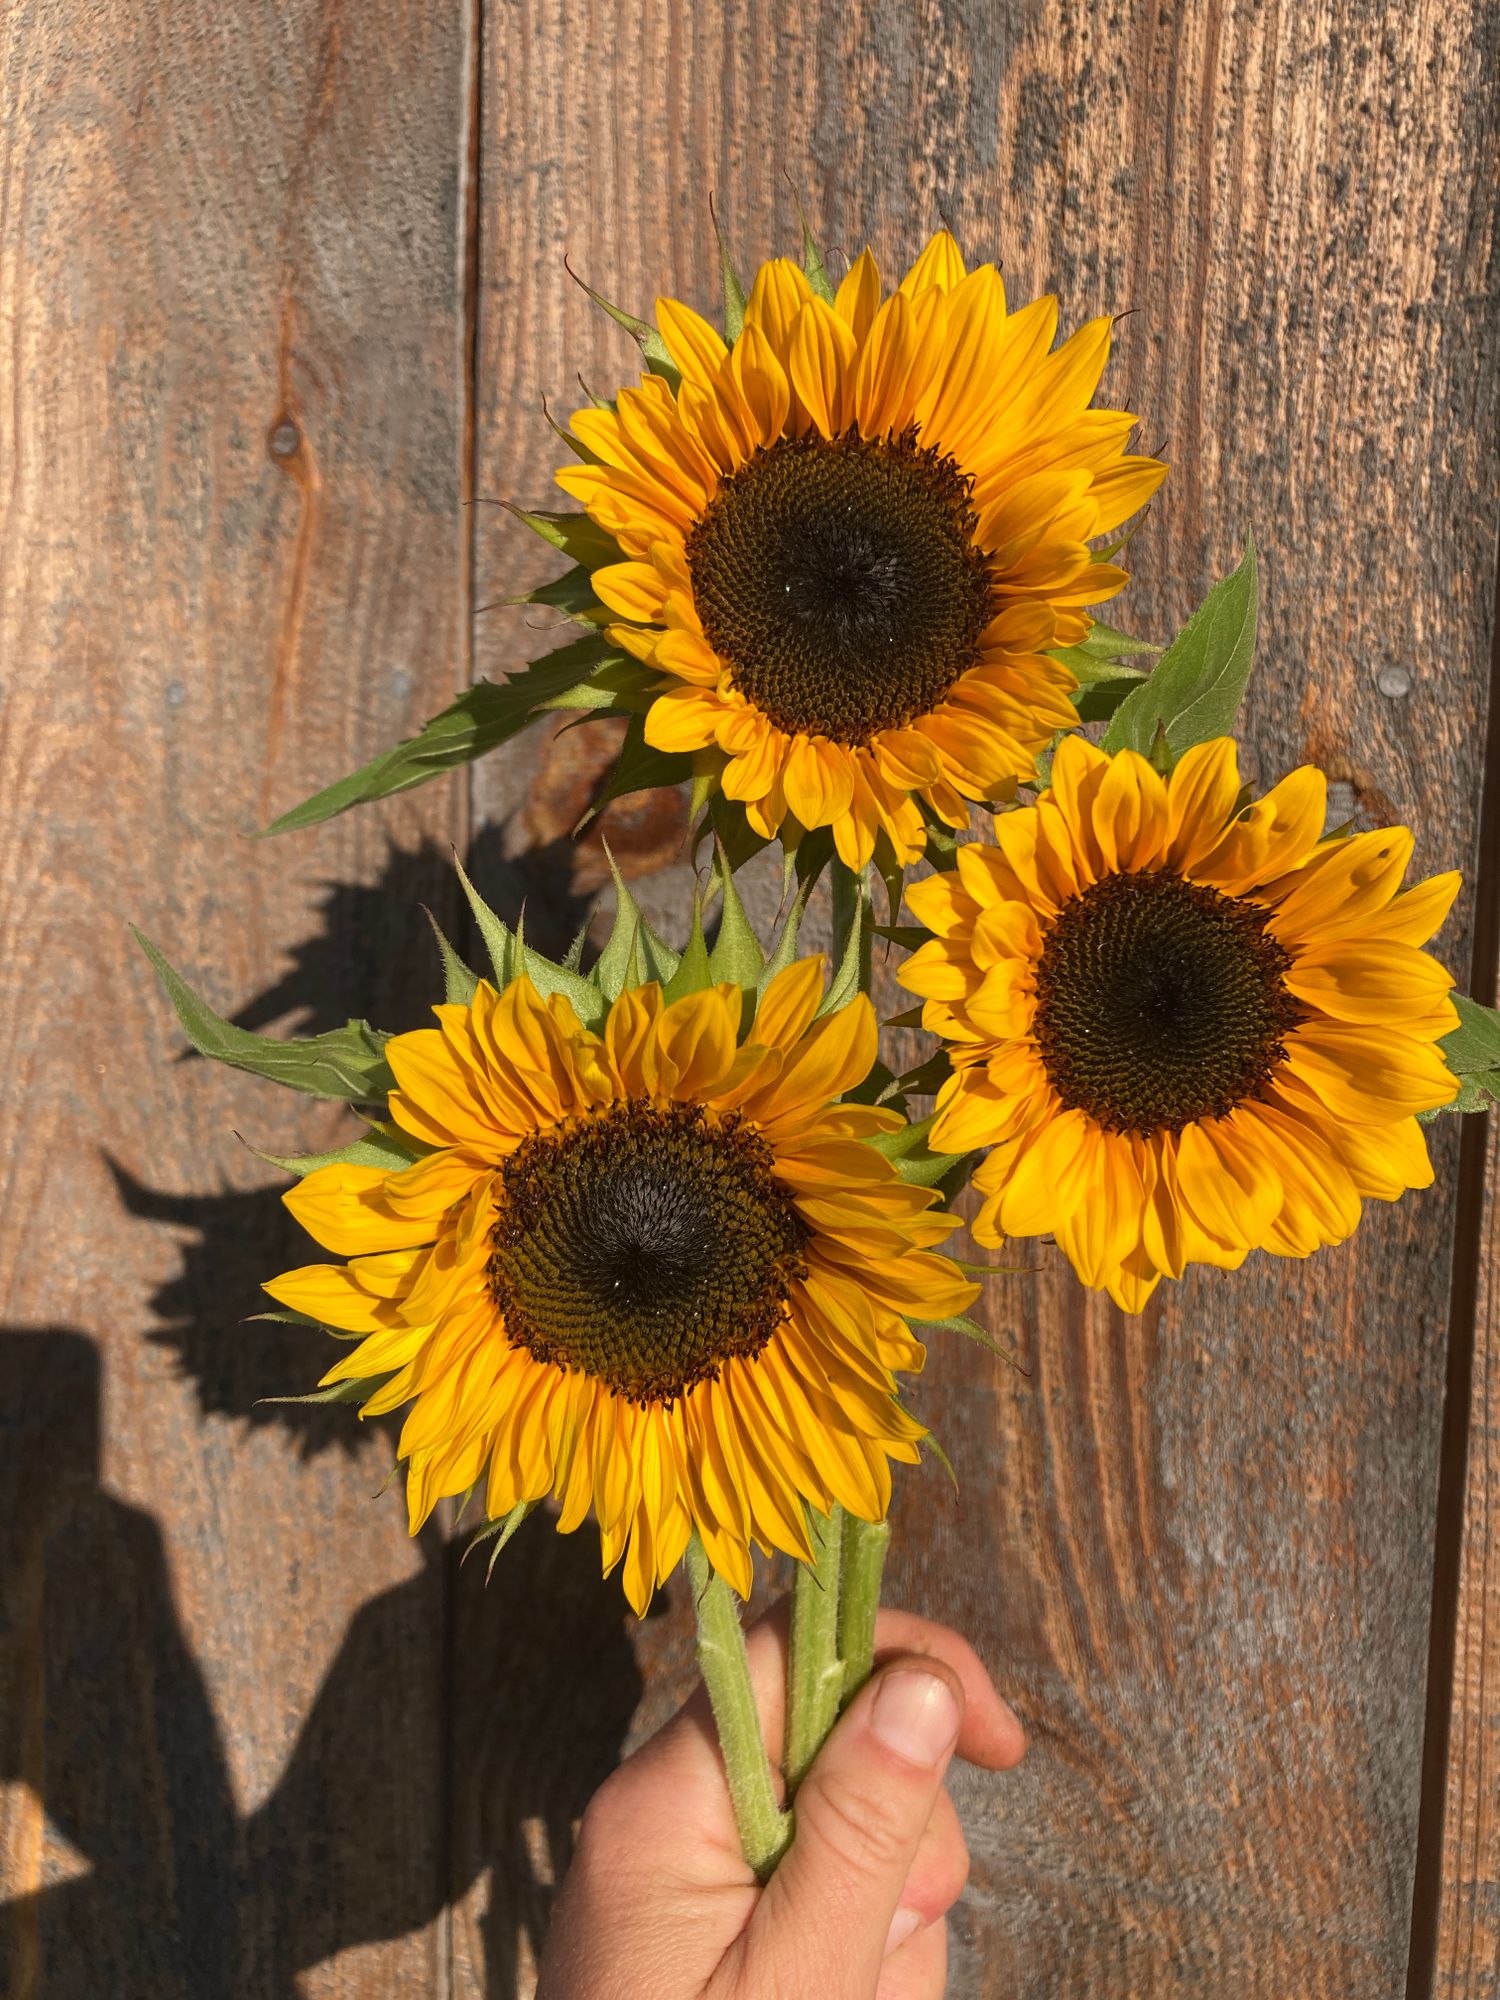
x: 765, y: 1830
x: 865, y: 1544
x: 815, y: 1675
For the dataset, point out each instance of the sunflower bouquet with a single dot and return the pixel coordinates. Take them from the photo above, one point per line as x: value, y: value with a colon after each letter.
x: 657, y: 1238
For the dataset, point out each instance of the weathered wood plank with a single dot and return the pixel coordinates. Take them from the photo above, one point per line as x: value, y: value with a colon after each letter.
x: 1458, y: 1937
x: 1198, y: 1547
x: 231, y: 565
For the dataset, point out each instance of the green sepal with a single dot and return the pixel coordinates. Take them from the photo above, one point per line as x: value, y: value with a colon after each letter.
x: 729, y: 278
x: 732, y: 831
x: 928, y: 1077
x: 784, y: 951
x: 345, y: 1063
x: 459, y: 984
x: 354, y: 1389
x: 376, y: 1149
x: 908, y: 936
x: 646, y: 337
x: 499, y: 1532
x: 909, y: 1017
x: 499, y: 940
x: 1107, y: 642
x: 1194, y: 692
x: 912, y: 1157
x: 942, y: 842
x: 692, y: 971
x: 572, y: 958
x: 633, y: 955
x: 969, y: 1328
x: 481, y: 718
x: 510, y: 956
x: 851, y: 939
x: 1104, y: 681
x: 571, y: 593
x: 875, y: 1089
x: 639, y: 768
x: 619, y: 686
x: 577, y: 536
x: 931, y: 1442
x: 736, y: 955
x: 548, y: 977
x: 813, y: 266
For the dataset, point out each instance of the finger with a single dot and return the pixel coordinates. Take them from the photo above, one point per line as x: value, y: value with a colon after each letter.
x: 918, y: 1969
x: 992, y: 1736
x: 938, y: 1872
x: 861, y: 1813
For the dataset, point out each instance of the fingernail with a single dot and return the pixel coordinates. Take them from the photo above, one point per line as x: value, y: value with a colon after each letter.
x: 904, y: 1924
x: 915, y: 1715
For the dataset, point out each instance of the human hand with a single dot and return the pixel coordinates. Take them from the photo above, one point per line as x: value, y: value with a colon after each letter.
x: 659, y: 1903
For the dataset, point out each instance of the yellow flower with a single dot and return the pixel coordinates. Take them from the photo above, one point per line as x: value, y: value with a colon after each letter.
x: 649, y: 1270
x: 853, y: 535
x: 1186, y: 1031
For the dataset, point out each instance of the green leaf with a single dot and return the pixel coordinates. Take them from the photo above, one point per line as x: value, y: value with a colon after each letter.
x: 736, y: 953
x: 1472, y: 1052
x: 459, y: 984
x: 375, y: 1149
x: 499, y: 940
x: 1478, y: 1091
x: 482, y: 717
x: 1475, y: 1043
x: 1195, y: 690
x: 1099, y: 702
x: 345, y: 1063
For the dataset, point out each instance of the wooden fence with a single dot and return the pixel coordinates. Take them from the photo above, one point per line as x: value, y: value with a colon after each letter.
x: 281, y: 289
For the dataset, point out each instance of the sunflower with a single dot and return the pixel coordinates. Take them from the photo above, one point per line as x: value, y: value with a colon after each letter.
x: 650, y: 1270
x: 852, y: 536
x: 1186, y: 1030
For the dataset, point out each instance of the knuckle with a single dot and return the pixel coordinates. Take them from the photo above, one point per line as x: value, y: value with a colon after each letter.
x: 605, y: 1826
x: 862, y: 1829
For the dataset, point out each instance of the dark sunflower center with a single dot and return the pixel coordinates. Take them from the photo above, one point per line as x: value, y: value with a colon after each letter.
x: 645, y: 1247
x: 839, y: 582
x: 1160, y: 1001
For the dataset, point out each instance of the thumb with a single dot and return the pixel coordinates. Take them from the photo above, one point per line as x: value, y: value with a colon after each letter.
x: 822, y: 1921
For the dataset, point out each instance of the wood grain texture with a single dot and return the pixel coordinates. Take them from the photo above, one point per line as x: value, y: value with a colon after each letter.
x: 231, y: 564
x: 1198, y: 1546
x: 1466, y: 1922
x: 251, y: 1739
